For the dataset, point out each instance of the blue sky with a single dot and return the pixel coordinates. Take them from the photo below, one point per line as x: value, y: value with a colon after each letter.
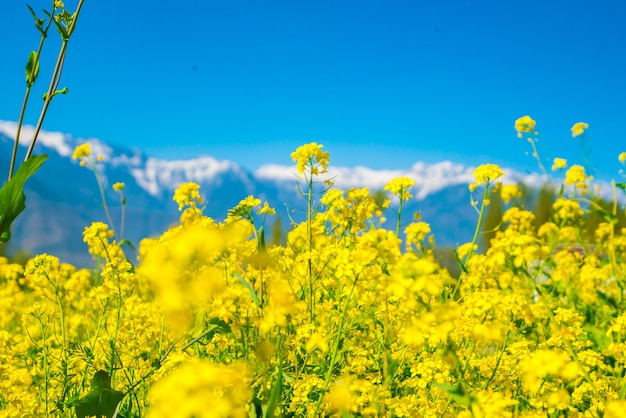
x: 379, y: 83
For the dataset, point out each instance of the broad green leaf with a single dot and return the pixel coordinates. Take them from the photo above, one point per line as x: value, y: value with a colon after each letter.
x: 621, y: 186
x: 251, y: 290
x: 12, y: 199
x: 102, y: 400
x: 32, y: 68
x: 277, y: 391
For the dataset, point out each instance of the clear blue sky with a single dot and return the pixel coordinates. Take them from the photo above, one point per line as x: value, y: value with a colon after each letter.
x: 379, y: 83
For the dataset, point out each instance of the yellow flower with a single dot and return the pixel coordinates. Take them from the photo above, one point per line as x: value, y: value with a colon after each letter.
x: 266, y: 209
x: 579, y: 129
x: 576, y: 174
x: 487, y: 172
x: 622, y: 157
x: 250, y: 201
x: 559, y: 163
x: 118, y: 187
x: 188, y: 194
x: 81, y: 151
x: 311, y: 154
x: 525, y: 124
x: 400, y: 187
x: 509, y: 191
x: 202, y: 389
x: 59, y: 4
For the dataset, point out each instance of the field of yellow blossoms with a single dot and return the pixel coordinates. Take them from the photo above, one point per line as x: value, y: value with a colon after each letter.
x: 346, y: 319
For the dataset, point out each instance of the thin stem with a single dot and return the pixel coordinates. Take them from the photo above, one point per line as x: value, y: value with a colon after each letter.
x: 481, y: 213
x: 333, y: 356
x: 54, y: 81
x: 29, y: 84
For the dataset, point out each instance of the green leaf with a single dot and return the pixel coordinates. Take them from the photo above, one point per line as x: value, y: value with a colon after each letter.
x: 276, y: 393
x: 12, y: 199
x: 248, y: 286
x: 102, y: 400
x: 38, y: 22
x: 62, y: 30
x: 457, y: 393
x: 621, y: 186
x: 32, y: 68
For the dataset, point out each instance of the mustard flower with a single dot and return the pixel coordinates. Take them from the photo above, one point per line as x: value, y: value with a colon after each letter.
x: 559, y: 163
x: 579, y: 129
x: 416, y: 232
x: 250, y: 201
x: 59, y: 4
x: 576, y: 174
x: 188, y: 194
x: 82, y: 151
x: 399, y: 186
x: 622, y: 157
x: 311, y: 154
x: 509, y: 191
x: 487, y: 173
x: 525, y: 124
x: 201, y: 389
x: 118, y: 187
x: 97, y: 237
x: 266, y: 209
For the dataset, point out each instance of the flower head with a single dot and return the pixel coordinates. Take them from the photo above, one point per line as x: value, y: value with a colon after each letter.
x: 118, y: 187
x: 399, y: 186
x: 188, y: 194
x: 579, y: 129
x: 622, y: 157
x: 311, y: 154
x: 487, y: 173
x: 525, y: 124
x: 82, y: 151
x: 559, y: 163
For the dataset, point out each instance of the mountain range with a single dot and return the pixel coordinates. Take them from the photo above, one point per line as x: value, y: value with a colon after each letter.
x: 62, y: 198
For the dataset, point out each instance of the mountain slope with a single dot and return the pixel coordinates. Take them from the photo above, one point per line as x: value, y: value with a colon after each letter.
x: 63, y: 198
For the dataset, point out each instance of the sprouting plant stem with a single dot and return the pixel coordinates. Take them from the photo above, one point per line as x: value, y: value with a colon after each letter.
x: 481, y: 213
x: 398, y: 223
x: 105, y: 205
x: 29, y: 84
x: 495, y: 369
x: 54, y: 81
x: 309, y: 228
x: 334, y: 354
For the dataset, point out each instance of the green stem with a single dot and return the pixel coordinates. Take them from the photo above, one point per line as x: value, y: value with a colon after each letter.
x: 309, y: 227
x: 29, y: 84
x: 481, y: 213
x: 333, y: 356
x: 54, y: 81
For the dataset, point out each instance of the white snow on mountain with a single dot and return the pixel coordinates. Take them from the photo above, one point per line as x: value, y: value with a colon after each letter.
x: 157, y: 175
x: 429, y: 178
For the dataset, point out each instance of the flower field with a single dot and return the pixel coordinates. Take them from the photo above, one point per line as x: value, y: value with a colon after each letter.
x: 346, y: 319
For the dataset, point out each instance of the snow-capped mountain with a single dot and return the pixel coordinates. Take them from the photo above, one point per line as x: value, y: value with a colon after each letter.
x: 62, y: 198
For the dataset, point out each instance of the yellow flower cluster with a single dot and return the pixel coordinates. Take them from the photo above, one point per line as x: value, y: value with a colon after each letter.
x: 400, y: 186
x: 346, y: 318
x: 487, y: 173
x: 311, y: 156
x: 82, y: 151
x: 525, y: 124
x: 579, y: 129
x: 559, y: 163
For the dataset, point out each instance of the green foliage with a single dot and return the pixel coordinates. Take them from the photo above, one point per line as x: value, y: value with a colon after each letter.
x: 101, y: 401
x: 12, y: 199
